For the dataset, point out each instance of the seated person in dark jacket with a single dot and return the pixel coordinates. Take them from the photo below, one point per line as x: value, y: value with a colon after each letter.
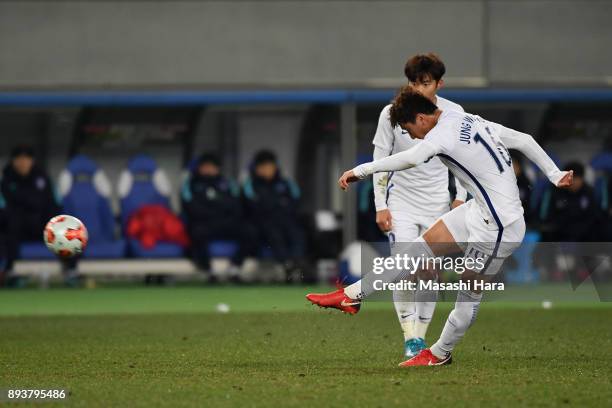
x: 213, y: 210
x: 573, y: 213
x: 272, y: 202
x: 29, y: 200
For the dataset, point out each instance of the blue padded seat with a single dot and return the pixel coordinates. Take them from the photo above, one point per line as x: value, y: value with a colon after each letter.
x: 143, y: 183
x: 85, y: 193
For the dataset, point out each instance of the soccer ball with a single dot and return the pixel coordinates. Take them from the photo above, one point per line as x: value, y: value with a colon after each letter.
x: 65, y: 236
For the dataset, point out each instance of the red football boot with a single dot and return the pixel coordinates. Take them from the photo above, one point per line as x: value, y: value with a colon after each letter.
x: 426, y: 358
x: 336, y: 299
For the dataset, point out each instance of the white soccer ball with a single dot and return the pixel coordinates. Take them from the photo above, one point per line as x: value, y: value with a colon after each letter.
x: 65, y: 236
x: 222, y: 308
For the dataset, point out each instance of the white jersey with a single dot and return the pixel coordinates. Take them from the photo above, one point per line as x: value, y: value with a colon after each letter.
x: 422, y: 190
x: 472, y: 149
x: 476, y: 152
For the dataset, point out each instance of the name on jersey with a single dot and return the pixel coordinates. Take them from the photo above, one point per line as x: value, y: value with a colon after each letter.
x: 465, y: 133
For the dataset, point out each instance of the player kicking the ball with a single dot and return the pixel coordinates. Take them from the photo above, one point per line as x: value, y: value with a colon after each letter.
x: 409, y: 201
x: 490, y: 227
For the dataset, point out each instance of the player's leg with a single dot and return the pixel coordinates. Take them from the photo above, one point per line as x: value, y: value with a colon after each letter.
x: 444, y: 237
x: 461, y: 317
x: 425, y: 299
x: 458, y: 322
x: 438, y: 240
x: 468, y: 301
x: 405, y: 230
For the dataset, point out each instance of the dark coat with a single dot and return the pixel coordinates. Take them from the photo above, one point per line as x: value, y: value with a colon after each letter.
x: 30, y: 199
x: 575, y: 216
x: 211, y: 200
x: 273, y: 200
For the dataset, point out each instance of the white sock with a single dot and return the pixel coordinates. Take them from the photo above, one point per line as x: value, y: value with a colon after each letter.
x: 403, y: 300
x: 365, y: 286
x: 457, y: 323
x: 354, y: 291
x: 420, y: 328
x: 408, y: 329
x: 425, y: 307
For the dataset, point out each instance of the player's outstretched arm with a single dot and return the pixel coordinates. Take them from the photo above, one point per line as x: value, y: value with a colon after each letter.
x: 347, y: 178
x: 529, y: 147
x: 399, y: 161
x: 567, y: 179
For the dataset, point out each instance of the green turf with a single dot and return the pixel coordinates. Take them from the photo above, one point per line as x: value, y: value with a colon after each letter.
x: 166, y: 346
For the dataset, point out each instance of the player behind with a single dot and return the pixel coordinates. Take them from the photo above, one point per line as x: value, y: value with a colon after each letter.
x: 409, y: 201
x: 489, y: 227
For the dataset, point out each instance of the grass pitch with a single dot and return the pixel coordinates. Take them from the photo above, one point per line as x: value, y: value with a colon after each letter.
x: 167, y: 346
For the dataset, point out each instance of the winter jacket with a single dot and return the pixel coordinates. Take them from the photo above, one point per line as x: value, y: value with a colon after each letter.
x: 30, y: 197
x: 151, y: 224
x: 271, y: 200
x: 207, y: 200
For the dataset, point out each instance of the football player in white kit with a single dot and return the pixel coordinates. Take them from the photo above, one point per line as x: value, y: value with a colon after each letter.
x: 409, y: 201
x: 489, y: 227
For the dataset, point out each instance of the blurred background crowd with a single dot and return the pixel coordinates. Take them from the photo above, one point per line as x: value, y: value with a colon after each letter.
x: 185, y: 159
x: 217, y: 217
x: 240, y: 218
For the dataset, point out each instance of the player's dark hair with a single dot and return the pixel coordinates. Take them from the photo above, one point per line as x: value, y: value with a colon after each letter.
x: 264, y: 156
x: 211, y: 158
x: 424, y: 66
x: 407, y: 104
x: 22, y: 150
x: 577, y: 167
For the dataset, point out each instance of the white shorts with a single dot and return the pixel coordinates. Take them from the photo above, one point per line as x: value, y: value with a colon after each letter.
x: 406, y: 227
x: 480, y: 238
